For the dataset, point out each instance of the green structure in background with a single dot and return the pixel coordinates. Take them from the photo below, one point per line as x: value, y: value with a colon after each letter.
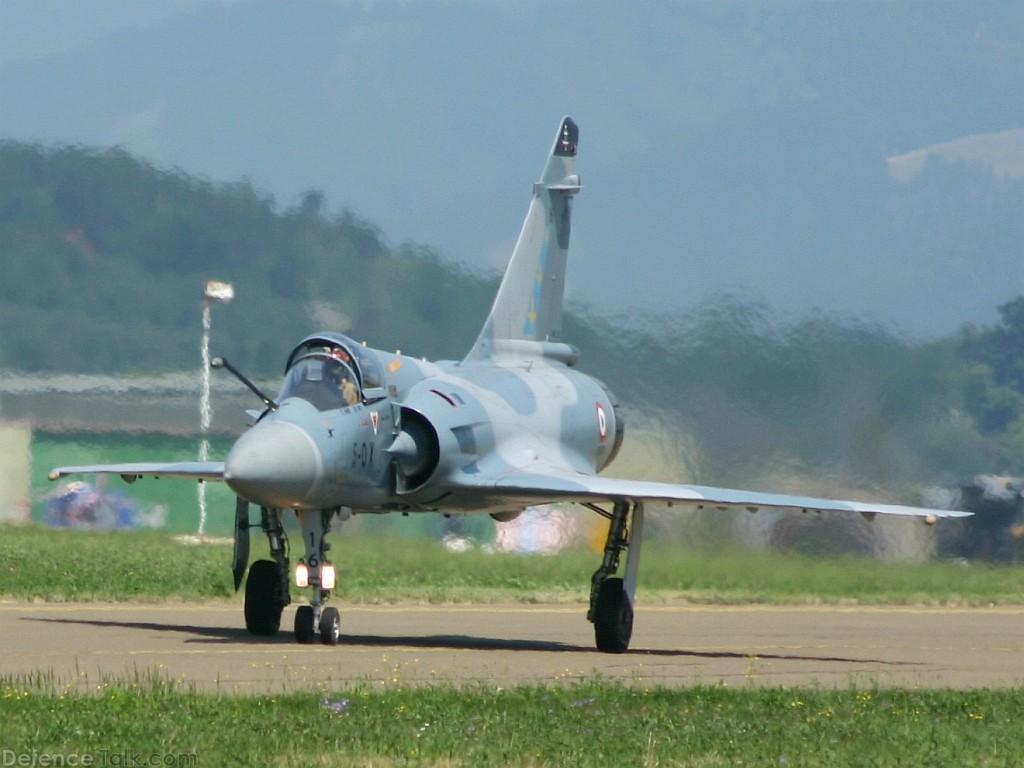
x: 171, y: 506
x: 14, y: 472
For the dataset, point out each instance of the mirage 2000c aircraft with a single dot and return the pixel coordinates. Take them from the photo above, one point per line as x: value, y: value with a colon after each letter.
x: 356, y: 430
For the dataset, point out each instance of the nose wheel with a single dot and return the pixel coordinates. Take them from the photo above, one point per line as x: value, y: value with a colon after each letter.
x: 330, y: 626
x: 305, y: 624
x: 307, y: 627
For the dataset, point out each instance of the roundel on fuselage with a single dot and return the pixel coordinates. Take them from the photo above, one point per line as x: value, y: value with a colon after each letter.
x: 611, y: 427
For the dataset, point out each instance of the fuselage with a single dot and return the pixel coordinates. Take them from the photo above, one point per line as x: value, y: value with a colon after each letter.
x: 419, y: 433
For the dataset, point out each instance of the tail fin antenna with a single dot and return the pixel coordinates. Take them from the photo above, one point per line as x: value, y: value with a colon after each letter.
x: 528, y: 306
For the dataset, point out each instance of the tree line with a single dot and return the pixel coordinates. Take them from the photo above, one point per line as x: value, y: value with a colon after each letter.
x: 105, y: 256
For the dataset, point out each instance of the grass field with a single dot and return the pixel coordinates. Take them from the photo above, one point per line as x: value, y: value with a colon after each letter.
x: 39, y: 563
x: 589, y: 723
x: 586, y: 724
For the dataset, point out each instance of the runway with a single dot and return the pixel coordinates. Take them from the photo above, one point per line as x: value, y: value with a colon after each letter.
x: 85, y: 645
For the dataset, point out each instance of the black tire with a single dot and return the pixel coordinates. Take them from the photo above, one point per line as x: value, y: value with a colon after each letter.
x: 613, y: 617
x: 305, y: 631
x: 262, y: 602
x: 330, y: 626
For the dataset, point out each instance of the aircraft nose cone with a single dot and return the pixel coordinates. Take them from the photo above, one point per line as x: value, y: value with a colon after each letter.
x: 274, y: 465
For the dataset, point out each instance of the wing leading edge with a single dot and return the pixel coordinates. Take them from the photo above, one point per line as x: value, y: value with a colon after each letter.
x: 583, y: 488
x: 188, y: 470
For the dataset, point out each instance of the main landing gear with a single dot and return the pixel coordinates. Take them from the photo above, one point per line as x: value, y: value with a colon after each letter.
x: 267, y: 586
x: 267, y: 590
x: 611, y: 597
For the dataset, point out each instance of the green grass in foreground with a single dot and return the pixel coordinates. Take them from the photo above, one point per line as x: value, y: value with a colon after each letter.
x: 63, y: 565
x: 586, y: 724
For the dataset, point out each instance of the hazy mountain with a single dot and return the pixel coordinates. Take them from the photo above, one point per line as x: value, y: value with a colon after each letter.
x: 733, y: 145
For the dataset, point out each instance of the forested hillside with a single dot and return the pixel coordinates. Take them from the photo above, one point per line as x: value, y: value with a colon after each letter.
x: 104, y: 260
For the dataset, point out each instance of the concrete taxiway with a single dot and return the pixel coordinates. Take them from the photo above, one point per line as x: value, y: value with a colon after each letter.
x: 85, y: 645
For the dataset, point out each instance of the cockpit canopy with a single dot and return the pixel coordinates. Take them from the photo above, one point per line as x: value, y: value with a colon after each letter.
x: 331, y: 371
x: 322, y: 380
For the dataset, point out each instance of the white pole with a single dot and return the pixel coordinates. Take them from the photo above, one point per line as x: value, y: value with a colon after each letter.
x: 223, y: 292
x: 205, y: 410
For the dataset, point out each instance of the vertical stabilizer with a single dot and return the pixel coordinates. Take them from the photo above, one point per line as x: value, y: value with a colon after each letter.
x: 528, y: 306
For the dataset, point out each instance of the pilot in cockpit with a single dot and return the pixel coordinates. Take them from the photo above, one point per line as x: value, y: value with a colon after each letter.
x: 349, y: 391
x: 324, y: 380
x: 347, y: 387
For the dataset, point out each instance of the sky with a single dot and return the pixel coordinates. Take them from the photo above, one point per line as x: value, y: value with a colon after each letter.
x: 34, y: 28
x: 431, y: 120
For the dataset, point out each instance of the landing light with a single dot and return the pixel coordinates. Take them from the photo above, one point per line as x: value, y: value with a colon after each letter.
x: 327, y: 576
x: 301, y: 575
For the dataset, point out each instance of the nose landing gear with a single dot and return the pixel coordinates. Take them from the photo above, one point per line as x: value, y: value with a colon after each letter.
x: 318, y: 574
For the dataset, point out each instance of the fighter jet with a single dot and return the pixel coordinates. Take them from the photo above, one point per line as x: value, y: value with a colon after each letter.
x: 355, y: 430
